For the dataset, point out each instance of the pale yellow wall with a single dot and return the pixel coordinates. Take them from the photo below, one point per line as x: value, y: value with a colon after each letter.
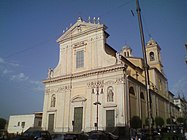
x: 93, y: 44
x: 73, y: 86
x: 81, y: 89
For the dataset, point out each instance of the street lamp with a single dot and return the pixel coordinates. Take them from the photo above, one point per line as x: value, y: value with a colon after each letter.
x: 97, y: 103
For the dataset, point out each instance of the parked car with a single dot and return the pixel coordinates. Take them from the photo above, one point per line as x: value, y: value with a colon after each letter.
x: 37, y: 135
x: 3, y: 135
x: 75, y: 136
x: 34, y: 135
x: 101, y: 135
x: 57, y: 136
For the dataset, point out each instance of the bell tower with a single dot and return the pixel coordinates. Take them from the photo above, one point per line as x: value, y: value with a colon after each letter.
x: 126, y: 51
x: 153, y: 55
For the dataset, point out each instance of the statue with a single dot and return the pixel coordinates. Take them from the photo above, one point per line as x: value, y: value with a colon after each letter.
x: 50, y: 73
x: 118, y: 58
x: 94, y: 20
x: 110, y: 94
x: 98, y: 20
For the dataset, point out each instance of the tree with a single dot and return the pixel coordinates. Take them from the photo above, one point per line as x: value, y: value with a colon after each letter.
x: 159, y: 121
x: 169, y: 121
x: 180, y: 120
x: 147, y: 121
x: 2, y: 123
x: 136, y: 122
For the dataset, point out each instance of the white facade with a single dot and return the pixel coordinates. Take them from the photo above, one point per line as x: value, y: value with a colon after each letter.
x: 71, y: 86
x: 181, y: 104
x: 20, y: 123
x: 89, y: 70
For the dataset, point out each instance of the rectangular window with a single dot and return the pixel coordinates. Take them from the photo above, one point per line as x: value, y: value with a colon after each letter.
x: 18, y: 123
x: 39, y: 123
x: 80, y: 59
x: 22, y: 124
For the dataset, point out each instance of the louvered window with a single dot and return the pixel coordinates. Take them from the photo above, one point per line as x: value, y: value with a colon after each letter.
x: 80, y: 59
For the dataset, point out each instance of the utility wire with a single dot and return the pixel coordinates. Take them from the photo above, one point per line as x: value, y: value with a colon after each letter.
x: 41, y: 44
x: 146, y: 27
x: 120, y: 6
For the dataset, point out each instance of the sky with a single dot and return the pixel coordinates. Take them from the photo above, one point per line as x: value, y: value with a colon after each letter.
x: 29, y: 30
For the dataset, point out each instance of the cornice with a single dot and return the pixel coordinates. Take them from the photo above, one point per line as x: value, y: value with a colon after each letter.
x: 128, y: 62
x: 87, y: 73
x: 71, y: 37
x: 158, y: 72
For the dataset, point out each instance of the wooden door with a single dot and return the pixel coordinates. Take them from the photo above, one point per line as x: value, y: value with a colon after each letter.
x: 78, y: 117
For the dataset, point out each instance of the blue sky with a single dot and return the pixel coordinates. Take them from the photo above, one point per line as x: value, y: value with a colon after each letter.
x: 29, y: 30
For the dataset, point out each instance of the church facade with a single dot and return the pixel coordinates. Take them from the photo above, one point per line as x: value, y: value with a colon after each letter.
x: 95, y: 87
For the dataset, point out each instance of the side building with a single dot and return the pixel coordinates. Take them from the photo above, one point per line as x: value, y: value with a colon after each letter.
x: 20, y: 123
x: 95, y: 87
x: 181, y: 103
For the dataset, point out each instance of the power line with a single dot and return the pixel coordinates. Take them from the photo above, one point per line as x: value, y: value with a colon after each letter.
x: 146, y: 27
x: 48, y: 40
x: 119, y: 6
x: 39, y: 44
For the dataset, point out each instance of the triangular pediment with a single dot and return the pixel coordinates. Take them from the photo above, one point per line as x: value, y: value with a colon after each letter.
x: 80, y: 28
x: 78, y: 98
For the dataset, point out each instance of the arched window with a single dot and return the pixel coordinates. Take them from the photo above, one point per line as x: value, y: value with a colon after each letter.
x: 142, y: 96
x: 152, y: 56
x: 110, y: 94
x: 53, y: 100
x: 131, y: 91
x: 125, y: 54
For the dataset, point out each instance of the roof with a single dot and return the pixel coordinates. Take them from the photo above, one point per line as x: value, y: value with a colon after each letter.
x: 80, y: 28
x: 152, y: 43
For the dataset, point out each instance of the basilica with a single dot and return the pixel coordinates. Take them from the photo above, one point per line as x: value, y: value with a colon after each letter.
x: 96, y: 87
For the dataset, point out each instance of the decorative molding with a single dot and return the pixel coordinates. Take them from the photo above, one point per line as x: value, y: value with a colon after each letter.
x: 77, y: 30
x: 94, y: 84
x: 58, y: 89
x: 88, y: 73
x: 109, y: 105
x: 110, y: 82
x: 52, y: 110
x: 78, y: 98
x: 79, y: 44
x: 120, y: 80
x: 47, y: 90
x: 64, y: 88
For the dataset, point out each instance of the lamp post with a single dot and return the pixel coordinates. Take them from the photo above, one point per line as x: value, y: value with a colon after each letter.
x: 97, y: 103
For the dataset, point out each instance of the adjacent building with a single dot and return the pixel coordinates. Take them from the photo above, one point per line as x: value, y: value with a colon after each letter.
x: 95, y: 86
x: 20, y: 123
x: 181, y: 103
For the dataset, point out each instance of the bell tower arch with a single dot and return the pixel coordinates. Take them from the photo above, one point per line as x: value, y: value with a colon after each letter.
x: 153, y: 55
x: 126, y: 51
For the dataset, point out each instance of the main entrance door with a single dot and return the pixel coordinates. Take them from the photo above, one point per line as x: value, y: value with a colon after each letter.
x: 51, y: 122
x: 109, y: 120
x: 78, y: 115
